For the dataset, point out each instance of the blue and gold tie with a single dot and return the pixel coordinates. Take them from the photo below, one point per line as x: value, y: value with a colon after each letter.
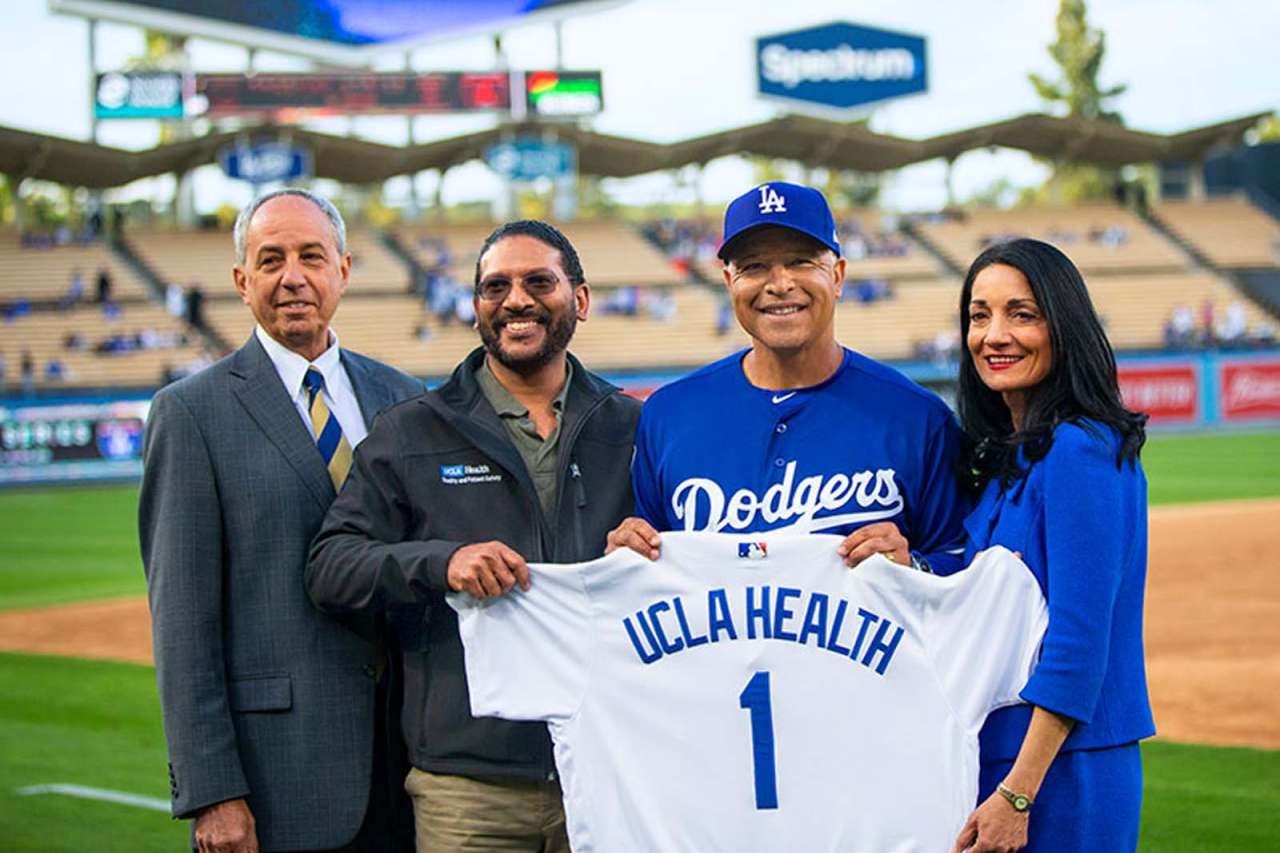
x: 334, y: 448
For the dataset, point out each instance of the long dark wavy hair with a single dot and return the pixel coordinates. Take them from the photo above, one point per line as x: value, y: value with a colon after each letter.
x: 1081, y: 383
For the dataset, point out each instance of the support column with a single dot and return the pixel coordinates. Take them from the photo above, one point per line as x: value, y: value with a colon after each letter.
x: 93, y: 80
x: 1195, y: 182
x: 414, y: 211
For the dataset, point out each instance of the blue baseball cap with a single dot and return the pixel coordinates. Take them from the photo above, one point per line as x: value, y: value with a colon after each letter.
x: 785, y: 205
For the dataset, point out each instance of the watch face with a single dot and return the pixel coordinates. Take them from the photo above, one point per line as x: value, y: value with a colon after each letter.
x: 1021, y: 803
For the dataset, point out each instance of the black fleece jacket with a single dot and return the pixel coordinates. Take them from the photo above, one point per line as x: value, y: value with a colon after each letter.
x: 435, y: 473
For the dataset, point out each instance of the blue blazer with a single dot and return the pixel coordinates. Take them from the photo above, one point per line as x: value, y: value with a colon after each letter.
x: 1080, y: 524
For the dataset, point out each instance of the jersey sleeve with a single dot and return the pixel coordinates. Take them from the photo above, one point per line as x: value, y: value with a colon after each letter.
x: 1089, y: 529
x: 984, y: 634
x: 527, y: 652
x: 937, y: 521
x: 644, y: 474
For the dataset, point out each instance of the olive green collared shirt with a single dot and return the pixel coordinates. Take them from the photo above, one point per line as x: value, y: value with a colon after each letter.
x: 541, y: 456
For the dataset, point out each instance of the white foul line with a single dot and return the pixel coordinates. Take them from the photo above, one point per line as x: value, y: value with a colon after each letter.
x: 103, y: 794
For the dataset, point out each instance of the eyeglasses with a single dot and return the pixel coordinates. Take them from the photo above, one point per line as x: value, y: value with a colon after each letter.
x: 539, y: 285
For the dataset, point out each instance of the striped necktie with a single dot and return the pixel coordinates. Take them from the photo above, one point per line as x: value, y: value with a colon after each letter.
x: 334, y: 448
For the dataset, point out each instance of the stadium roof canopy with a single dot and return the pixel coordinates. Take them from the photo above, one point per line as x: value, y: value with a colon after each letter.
x: 812, y: 141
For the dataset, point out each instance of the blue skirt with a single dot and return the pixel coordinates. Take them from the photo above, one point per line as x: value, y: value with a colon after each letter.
x: 1090, y: 800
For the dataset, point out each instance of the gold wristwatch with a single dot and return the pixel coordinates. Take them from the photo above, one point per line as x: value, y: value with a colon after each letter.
x: 1020, y: 802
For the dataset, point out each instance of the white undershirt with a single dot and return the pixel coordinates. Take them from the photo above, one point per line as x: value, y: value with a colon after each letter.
x: 339, y: 395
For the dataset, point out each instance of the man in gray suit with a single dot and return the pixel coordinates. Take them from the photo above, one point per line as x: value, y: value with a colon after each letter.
x: 270, y: 707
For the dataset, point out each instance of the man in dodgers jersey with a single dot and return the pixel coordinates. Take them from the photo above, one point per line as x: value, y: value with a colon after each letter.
x: 797, y: 431
x: 749, y: 694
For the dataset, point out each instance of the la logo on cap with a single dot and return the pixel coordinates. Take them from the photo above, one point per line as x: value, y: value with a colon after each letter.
x: 770, y: 201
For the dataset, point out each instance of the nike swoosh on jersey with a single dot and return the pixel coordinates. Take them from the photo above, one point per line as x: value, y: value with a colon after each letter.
x: 779, y: 398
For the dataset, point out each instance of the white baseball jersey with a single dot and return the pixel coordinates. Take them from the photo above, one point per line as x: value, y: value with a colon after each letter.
x: 755, y: 694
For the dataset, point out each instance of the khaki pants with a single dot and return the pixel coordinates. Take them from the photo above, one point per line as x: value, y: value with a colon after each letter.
x: 458, y: 813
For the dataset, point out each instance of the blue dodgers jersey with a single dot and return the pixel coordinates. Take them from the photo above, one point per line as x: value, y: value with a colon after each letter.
x: 714, y: 452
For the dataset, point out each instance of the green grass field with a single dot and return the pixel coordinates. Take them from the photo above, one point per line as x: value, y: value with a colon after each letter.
x: 98, y: 724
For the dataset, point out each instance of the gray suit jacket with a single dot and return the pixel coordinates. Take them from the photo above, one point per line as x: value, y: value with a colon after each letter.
x: 263, y: 696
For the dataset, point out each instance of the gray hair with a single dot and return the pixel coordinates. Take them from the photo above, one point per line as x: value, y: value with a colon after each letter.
x: 241, y: 231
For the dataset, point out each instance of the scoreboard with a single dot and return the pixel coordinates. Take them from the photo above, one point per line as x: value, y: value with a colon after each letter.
x: 71, y: 441
x: 344, y: 94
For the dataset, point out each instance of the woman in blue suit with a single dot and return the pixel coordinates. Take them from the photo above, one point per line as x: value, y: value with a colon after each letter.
x: 1056, y: 459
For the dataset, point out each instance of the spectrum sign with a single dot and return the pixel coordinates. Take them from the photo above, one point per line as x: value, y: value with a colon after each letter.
x: 840, y: 66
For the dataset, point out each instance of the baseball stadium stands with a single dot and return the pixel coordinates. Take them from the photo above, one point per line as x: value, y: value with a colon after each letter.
x: 1230, y: 232
x: 612, y: 253
x: 1099, y: 238
x: 1138, y: 278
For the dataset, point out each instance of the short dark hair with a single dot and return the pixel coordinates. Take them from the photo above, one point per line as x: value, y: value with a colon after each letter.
x: 541, y: 231
x: 1081, y: 383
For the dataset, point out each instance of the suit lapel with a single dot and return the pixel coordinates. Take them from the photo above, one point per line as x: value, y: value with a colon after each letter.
x: 371, y: 394
x: 260, y: 391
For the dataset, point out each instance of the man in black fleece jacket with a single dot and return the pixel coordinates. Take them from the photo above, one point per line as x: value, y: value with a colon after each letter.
x: 522, y: 456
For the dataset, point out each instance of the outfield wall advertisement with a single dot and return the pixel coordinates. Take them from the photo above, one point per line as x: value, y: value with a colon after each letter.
x: 1250, y: 390
x: 71, y: 441
x: 1169, y: 394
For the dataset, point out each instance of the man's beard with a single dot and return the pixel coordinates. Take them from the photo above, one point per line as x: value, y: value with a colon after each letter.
x: 559, y: 331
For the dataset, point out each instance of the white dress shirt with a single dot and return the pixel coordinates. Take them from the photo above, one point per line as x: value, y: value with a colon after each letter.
x: 339, y: 396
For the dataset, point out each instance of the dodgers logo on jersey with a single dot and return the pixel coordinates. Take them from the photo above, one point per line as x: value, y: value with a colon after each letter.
x: 770, y: 201
x: 753, y: 550
x: 700, y: 503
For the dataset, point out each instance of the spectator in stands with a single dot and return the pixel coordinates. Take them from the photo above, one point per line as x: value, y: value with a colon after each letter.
x: 104, y: 286
x: 175, y: 300
x: 1264, y: 333
x: 623, y: 300
x: 54, y: 370
x: 20, y: 307
x: 1180, y: 330
x: 463, y: 309
x: 27, y: 373
x: 195, y: 306
x: 724, y: 317
x: 661, y: 305
x: 443, y: 293
x: 1234, y: 328
x: 75, y: 291
x: 74, y: 341
x: 1208, y: 324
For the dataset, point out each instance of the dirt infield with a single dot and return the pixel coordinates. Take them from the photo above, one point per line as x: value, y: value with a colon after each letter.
x: 1212, y: 624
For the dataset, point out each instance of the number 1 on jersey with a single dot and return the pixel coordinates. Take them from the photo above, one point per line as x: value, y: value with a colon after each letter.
x: 756, y: 699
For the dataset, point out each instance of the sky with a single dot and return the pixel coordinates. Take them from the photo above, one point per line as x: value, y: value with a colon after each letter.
x: 675, y: 69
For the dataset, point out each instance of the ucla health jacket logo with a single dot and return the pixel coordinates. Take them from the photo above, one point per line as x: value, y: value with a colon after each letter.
x: 462, y: 474
x: 770, y: 201
x: 701, y: 503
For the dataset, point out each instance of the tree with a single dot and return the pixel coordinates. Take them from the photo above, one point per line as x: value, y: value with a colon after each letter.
x: 1078, y: 53
x: 1267, y: 130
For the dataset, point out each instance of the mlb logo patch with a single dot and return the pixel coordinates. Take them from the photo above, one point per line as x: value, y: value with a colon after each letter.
x: 753, y: 550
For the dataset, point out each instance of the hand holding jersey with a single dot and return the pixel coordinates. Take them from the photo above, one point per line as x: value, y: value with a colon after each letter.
x: 883, y: 538
x: 486, y: 569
